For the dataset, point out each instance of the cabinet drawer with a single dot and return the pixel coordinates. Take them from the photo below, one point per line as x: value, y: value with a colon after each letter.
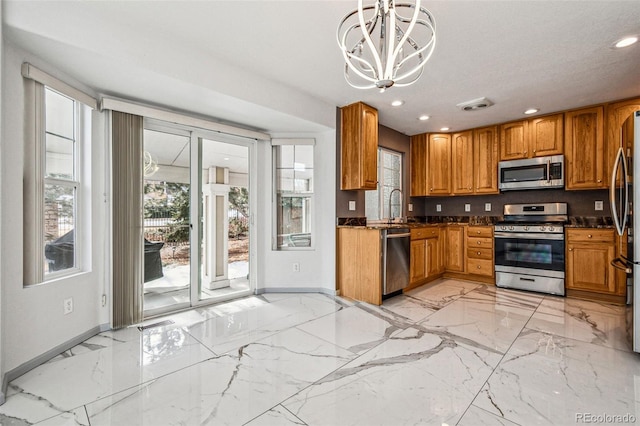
x: 590, y: 235
x: 426, y: 232
x: 475, y: 243
x: 480, y: 253
x: 480, y: 267
x: 480, y: 231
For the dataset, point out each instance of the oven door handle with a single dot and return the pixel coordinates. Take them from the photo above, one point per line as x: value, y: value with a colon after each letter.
x: 529, y: 236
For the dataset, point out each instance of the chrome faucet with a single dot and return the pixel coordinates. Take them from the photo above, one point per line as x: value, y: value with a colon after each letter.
x: 390, y: 198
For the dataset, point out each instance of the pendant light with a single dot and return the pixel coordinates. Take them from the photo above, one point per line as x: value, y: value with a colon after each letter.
x: 386, y: 43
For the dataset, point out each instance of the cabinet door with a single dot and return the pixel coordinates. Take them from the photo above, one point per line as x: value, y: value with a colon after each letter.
x: 359, y: 147
x: 514, y: 140
x: 418, y: 264
x: 588, y: 267
x: 454, y: 250
x: 546, y: 135
x: 439, y: 164
x: 616, y: 114
x: 434, y: 262
x: 584, y: 149
x: 462, y: 163
x: 418, y: 165
x: 485, y: 159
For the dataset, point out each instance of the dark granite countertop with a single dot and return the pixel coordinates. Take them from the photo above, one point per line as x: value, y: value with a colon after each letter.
x: 419, y: 221
x: 589, y: 222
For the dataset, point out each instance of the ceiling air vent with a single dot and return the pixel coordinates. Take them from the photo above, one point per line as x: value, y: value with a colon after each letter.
x: 476, y: 104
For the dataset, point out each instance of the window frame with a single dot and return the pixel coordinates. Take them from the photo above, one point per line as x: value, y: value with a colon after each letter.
x: 310, y: 196
x: 381, y: 204
x: 37, y: 82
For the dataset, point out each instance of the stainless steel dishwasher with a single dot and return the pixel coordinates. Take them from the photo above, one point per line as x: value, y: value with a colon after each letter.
x: 396, y: 247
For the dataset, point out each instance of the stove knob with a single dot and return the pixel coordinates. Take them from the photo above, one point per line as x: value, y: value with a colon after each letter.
x: 511, y: 228
x: 542, y: 228
x: 551, y: 229
x: 503, y: 227
x: 526, y: 228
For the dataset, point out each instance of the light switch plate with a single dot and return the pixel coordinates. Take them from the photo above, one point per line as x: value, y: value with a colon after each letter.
x: 438, y: 207
x: 487, y: 207
x: 352, y: 205
x: 410, y: 206
x: 599, y: 205
x: 467, y: 207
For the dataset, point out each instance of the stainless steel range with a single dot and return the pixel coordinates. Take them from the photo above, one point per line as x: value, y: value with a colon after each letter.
x: 529, y: 247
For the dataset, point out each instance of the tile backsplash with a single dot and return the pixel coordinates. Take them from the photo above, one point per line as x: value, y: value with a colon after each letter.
x: 580, y: 203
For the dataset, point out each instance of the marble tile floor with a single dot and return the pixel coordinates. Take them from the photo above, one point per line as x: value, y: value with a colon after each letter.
x: 448, y: 353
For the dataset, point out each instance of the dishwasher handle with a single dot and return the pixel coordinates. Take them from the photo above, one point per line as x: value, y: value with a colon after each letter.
x: 389, y: 236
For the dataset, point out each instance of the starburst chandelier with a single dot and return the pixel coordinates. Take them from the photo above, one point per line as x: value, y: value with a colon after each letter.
x: 386, y: 43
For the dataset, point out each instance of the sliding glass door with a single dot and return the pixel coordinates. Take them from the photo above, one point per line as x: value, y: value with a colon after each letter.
x: 196, y: 214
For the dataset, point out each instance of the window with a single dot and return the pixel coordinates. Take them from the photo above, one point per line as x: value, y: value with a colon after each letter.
x: 389, y: 179
x: 294, y: 192
x: 56, y: 185
x: 61, y: 182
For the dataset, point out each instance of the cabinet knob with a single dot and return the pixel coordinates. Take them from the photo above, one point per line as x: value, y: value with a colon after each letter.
x: 478, y: 266
x: 469, y: 188
x: 430, y: 189
x: 570, y: 249
x: 534, y: 151
x: 477, y: 232
x: 478, y: 243
x: 589, y: 236
x: 599, y: 180
x: 525, y: 153
x: 478, y: 252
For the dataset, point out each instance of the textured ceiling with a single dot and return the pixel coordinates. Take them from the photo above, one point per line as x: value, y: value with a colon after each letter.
x: 275, y: 65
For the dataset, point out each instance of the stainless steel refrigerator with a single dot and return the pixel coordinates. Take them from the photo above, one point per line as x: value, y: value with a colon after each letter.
x: 621, y: 196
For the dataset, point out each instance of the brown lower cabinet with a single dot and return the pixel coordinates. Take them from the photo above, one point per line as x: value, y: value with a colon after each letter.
x: 426, y: 255
x: 589, y: 273
x: 358, y: 264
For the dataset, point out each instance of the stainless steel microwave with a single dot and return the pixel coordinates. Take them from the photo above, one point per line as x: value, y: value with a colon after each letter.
x: 531, y: 173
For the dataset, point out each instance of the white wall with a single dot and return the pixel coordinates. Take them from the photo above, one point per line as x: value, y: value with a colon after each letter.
x: 2, y: 181
x: 317, y: 266
x: 32, y: 317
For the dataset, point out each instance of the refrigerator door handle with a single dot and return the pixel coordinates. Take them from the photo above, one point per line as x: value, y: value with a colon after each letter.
x: 621, y: 265
x: 620, y: 223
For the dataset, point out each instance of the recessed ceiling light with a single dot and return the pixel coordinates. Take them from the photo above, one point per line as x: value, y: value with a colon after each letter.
x: 531, y: 111
x: 444, y: 129
x: 423, y: 117
x: 624, y: 42
x: 397, y: 103
x: 226, y: 158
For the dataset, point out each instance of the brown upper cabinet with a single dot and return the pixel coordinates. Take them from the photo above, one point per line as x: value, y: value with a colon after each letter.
x: 418, y: 165
x: 474, y: 160
x: 485, y: 160
x: 359, y: 153
x: 536, y: 137
x: 439, y: 164
x: 585, y: 157
x: 462, y: 163
x: 616, y: 115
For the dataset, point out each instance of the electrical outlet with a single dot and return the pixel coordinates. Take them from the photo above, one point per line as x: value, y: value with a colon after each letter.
x: 599, y: 206
x: 296, y: 267
x: 352, y: 205
x: 438, y: 207
x: 68, y: 305
x: 467, y: 207
x: 487, y: 207
x: 410, y: 207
